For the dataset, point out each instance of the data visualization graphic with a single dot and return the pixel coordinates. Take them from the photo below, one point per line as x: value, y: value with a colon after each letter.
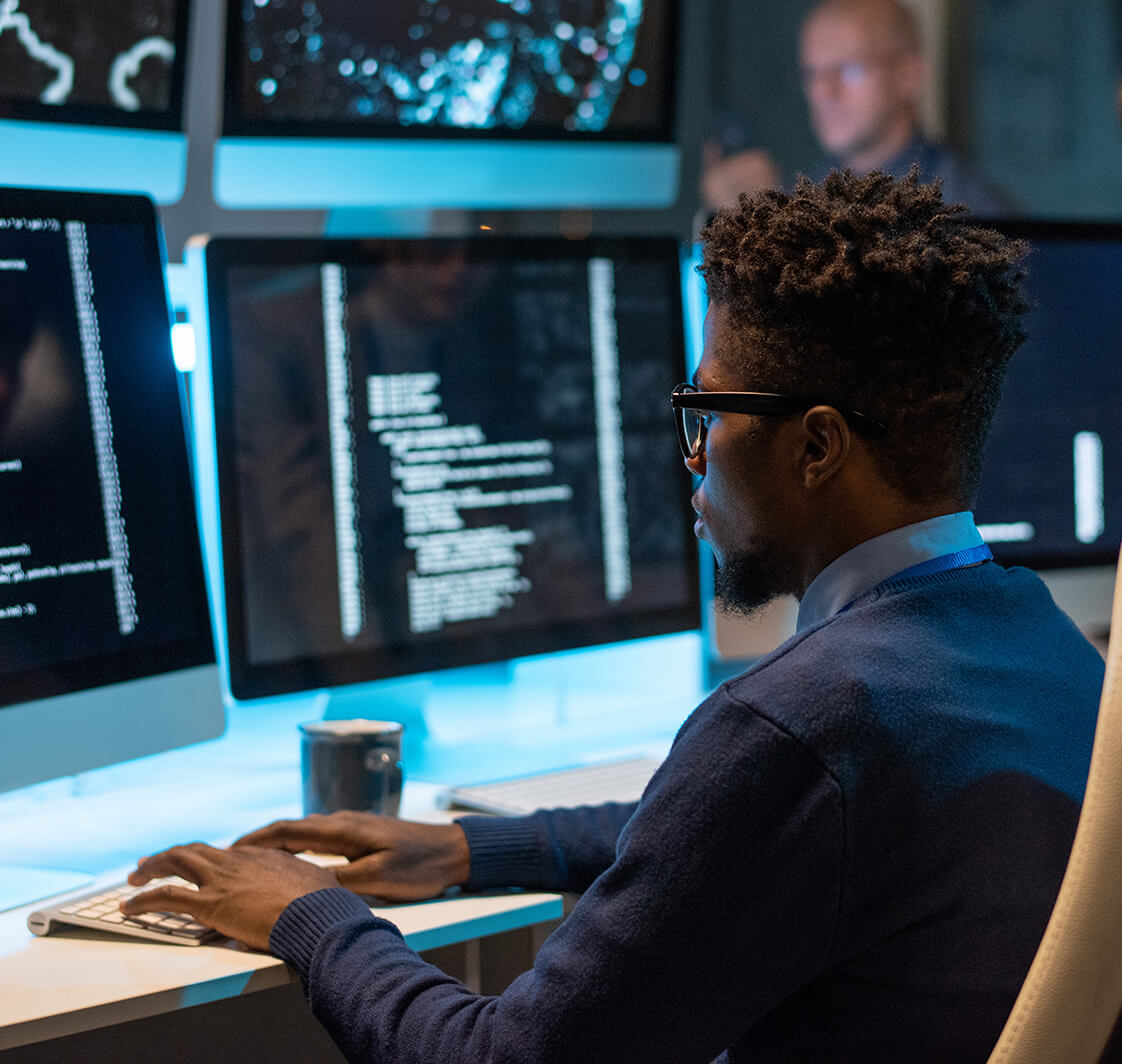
x: 550, y: 67
x: 118, y: 57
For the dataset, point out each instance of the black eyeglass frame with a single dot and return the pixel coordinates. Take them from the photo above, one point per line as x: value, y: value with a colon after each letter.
x: 686, y: 397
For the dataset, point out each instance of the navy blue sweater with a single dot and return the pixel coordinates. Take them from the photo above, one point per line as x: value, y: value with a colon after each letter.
x: 850, y: 854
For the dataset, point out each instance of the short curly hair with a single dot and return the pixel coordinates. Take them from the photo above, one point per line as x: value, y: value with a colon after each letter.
x: 871, y: 293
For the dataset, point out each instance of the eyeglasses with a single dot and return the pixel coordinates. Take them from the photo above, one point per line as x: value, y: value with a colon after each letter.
x: 692, y: 404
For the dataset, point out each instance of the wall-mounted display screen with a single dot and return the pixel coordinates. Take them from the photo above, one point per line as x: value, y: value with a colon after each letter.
x: 562, y: 68
x: 93, y: 63
x: 91, y: 95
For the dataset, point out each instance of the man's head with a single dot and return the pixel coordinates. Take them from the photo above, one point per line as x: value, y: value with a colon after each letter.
x: 859, y: 294
x: 863, y: 73
x: 425, y: 284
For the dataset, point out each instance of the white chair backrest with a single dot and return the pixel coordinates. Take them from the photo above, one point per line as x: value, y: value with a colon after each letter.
x: 1072, y: 995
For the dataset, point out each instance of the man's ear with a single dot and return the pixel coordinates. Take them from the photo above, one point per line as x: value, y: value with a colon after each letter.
x: 827, y: 442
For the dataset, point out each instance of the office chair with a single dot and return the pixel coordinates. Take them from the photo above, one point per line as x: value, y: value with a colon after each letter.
x: 1072, y: 995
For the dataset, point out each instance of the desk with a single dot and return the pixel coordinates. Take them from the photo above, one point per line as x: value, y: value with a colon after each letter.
x: 86, y: 997
x: 81, y: 982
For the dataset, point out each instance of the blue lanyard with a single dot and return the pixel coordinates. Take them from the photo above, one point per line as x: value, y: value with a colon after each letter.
x: 956, y: 560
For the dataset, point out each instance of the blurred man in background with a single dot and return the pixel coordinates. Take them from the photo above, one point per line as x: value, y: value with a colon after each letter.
x: 863, y: 74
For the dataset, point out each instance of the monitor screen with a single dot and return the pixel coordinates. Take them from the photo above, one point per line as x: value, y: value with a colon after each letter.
x: 100, y: 86
x: 439, y: 453
x: 1049, y: 495
x: 483, y: 103
x: 104, y: 619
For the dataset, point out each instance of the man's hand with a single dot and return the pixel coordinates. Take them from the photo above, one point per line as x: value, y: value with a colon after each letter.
x: 724, y: 178
x: 241, y: 892
x: 396, y: 860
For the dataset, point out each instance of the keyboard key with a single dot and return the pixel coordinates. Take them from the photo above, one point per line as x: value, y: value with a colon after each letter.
x: 101, y: 909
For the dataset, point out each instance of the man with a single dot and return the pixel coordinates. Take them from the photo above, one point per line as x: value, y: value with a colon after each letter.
x: 852, y: 849
x: 863, y: 74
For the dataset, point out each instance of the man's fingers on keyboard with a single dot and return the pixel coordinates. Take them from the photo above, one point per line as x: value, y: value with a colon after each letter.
x: 190, y: 862
x: 271, y: 835
x: 333, y: 833
x: 295, y: 836
x: 166, y: 898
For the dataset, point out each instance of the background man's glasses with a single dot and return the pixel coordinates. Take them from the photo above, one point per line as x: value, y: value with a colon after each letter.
x: 692, y: 405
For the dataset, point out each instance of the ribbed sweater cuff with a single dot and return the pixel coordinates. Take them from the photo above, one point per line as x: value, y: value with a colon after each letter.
x: 505, y: 851
x: 297, y: 933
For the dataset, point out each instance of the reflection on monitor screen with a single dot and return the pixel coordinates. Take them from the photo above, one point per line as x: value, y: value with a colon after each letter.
x: 1049, y: 493
x: 434, y: 454
x: 98, y: 85
x: 107, y: 651
x: 588, y: 87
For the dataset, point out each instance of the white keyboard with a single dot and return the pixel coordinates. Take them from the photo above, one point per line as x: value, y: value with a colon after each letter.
x: 606, y: 781
x: 98, y: 909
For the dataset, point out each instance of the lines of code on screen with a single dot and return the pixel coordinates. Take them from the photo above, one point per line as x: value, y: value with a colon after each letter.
x: 445, y: 445
x: 81, y: 469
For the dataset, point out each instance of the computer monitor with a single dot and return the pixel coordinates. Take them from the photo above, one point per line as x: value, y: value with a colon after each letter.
x: 443, y: 453
x: 1049, y: 493
x: 104, y: 618
x: 469, y: 103
x: 91, y: 95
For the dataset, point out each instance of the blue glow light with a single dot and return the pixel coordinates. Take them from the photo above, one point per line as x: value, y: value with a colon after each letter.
x: 97, y: 158
x: 352, y: 173
x: 183, y: 346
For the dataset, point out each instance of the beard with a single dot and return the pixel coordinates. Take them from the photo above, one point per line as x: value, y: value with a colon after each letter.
x: 745, y: 583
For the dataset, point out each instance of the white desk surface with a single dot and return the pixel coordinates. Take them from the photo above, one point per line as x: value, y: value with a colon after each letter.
x: 80, y: 980
x: 102, y: 821
x: 77, y: 980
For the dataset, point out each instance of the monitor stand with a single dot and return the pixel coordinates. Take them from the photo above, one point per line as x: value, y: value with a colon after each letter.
x: 405, y: 699
x: 22, y: 886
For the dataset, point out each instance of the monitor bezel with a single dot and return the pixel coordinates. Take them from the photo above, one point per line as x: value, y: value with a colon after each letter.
x: 237, y: 124
x: 1075, y: 230
x: 169, y: 119
x: 251, y: 680
x: 127, y: 664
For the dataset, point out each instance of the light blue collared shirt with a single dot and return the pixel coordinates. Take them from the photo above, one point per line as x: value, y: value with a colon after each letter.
x: 874, y: 561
